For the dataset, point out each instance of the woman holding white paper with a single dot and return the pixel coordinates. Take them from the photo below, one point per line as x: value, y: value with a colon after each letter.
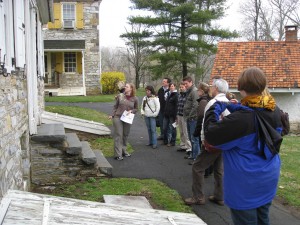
x: 126, y: 101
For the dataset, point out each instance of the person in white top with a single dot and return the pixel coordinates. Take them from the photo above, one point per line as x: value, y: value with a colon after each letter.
x: 218, y: 89
x: 150, y: 109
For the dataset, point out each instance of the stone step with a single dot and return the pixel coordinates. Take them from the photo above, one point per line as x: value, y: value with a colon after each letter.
x: 102, y: 164
x: 87, y: 154
x: 74, y: 144
x: 125, y: 200
x: 49, y: 133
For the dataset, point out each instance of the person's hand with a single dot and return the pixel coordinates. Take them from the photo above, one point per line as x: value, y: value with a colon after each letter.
x: 234, y: 101
x: 110, y: 117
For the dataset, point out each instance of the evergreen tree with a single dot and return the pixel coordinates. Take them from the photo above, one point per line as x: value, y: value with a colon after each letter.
x: 182, y: 30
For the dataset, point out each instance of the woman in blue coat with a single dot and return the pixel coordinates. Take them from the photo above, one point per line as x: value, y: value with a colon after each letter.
x: 250, y: 154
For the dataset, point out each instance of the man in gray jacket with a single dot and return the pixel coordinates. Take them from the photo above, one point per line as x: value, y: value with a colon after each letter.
x: 190, y: 114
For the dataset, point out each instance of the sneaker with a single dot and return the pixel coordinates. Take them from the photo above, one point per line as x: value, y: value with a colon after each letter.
x: 126, y: 155
x: 189, y: 157
x: 214, y: 200
x: 119, y: 158
x: 148, y: 144
x: 154, y: 146
x: 194, y: 201
x: 169, y: 145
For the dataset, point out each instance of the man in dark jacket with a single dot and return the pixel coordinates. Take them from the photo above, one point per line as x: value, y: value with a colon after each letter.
x: 190, y: 114
x: 162, y: 96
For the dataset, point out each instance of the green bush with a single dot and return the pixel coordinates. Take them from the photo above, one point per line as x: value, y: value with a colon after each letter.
x: 109, y: 81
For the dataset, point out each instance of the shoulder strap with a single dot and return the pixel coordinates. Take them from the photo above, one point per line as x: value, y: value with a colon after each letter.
x: 149, y: 105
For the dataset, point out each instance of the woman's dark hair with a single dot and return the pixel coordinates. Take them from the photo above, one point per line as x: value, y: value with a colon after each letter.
x: 171, y: 83
x: 204, y: 87
x: 252, y: 81
x: 151, y: 89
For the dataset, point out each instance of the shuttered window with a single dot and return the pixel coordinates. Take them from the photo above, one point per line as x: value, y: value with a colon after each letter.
x: 19, y: 33
x: 67, y: 16
x: 2, y: 32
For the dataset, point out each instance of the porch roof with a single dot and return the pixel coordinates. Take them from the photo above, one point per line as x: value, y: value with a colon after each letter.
x: 64, y: 45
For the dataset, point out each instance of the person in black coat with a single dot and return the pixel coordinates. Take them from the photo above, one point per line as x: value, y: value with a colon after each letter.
x: 162, y: 95
x: 170, y: 115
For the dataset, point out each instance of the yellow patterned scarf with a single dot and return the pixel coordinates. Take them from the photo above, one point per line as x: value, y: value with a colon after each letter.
x: 259, y: 101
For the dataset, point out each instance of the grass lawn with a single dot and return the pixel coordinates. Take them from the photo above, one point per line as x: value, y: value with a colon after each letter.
x: 289, y: 184
x: 95, y: 98
x: 159, y: 195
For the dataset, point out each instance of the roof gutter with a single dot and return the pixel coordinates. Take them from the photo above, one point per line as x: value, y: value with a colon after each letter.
x: 46, y: 10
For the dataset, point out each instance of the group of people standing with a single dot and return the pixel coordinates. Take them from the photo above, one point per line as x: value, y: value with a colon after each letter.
x: 218, y: 131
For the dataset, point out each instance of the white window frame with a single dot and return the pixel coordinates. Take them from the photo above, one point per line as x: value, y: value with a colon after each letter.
x: 62, y: 12
x: 75, y: 68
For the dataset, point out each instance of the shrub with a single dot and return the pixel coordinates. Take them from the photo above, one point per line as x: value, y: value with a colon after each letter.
x: 109, y: 81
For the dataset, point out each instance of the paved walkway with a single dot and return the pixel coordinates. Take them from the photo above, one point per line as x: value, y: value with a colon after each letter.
x: 169, y: 166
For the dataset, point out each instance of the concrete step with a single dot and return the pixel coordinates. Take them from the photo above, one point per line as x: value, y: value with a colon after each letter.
x: 102, y: 164
x: 49, y: 133
x: 125, y: 200
x: 74, y: 144
x: 87, y: 155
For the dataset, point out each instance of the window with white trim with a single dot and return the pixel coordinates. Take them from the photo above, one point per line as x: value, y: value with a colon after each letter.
x: 68, y: 15
x: 70, y: 62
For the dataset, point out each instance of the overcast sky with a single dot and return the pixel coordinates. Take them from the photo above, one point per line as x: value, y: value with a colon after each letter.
x: 114, y: 13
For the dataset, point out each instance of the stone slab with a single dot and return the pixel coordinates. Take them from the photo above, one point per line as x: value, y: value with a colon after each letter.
x: 87, y: 154
x: 76, y: 124
x: 124, y: 200
x: 74, y: 144
x: 49, y: 133
x: 102, y: 164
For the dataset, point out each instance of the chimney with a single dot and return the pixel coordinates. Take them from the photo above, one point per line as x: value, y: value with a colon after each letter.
x: 291, y: 33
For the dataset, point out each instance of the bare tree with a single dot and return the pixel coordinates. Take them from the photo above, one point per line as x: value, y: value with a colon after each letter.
x: 137, y: 49
x: 113, y: 59
x: 265, y: 20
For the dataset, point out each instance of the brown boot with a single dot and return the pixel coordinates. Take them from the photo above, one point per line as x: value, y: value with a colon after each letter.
x: 214, y: 200
x: 194, y: 201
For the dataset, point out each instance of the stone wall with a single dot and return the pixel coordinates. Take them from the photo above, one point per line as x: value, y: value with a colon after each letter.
x: 70, y: 80
x: 90, y: 34
x: 52, y: 166
x: 14, y: 135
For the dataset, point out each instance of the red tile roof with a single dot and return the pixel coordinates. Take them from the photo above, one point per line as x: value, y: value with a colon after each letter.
x: 280, y: 60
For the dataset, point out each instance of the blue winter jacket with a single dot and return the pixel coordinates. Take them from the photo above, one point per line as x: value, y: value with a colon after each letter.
x: 251, y: 170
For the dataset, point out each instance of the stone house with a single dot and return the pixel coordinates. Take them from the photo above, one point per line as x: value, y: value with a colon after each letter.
x: 71, y: 42
x: 21, y: 86
x: 280, y: 60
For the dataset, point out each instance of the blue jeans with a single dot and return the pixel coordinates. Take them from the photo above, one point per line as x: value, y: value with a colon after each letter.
x: 161, y: 123
x: 257, y: 216
x: 191, y: 126
x: 170, y: 131
x: 151, y: 126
